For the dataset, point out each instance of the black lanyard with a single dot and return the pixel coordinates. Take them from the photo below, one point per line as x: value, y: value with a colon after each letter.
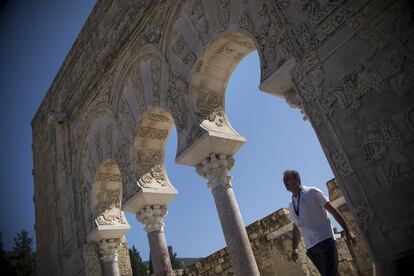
x: 293, y: 203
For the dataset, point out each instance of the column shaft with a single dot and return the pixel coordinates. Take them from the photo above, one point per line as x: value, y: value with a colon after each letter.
x: 159, y: 253
x: 240, y: 251
x: 152, y: 217
x: 111, y: 268
x: 216, y: 169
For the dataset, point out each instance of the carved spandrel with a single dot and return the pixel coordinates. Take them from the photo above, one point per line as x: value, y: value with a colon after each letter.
x: 155, y: 80
x: 196, y: 12
x: 183, y: 51
x: 272, y: 41
x: 341, y: 162
x: 136, y: 78
x: 318, y: 10
x: 246, y: 24
x: 108, y: 137
x: 223, y: 14
x: 107, y: 209
x: 356, y: 85
x: 98, y: 147
x: 195, y: 132
x: 90, y: 165
x: 176, y: 100
x: 209, y: 105
x: 322, y: 20
x: 387, y: 147
x: 130, y: 187
x: 353, y: 86
x: 153, y: 29
x: 91, y: 63
x: 395, y: 171
x: 126, y: 116
x: 154, y: 177
x: 364, y: 217
x: 122, y: 154
x: 149, y: 168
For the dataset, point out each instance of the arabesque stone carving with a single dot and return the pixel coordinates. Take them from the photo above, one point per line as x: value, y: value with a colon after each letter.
x: 139, y: 68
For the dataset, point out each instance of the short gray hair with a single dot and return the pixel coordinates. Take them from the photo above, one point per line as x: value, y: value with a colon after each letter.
x: 295, y: 174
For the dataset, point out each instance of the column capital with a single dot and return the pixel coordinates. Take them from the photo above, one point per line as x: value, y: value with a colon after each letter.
x: 109, y: 250
x: 152, y: 216
x: 216, y: 170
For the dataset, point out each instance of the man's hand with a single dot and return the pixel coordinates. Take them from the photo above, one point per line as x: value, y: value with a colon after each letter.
x: 295, y: 242
x: 295, y: 255
x: 350, y: 238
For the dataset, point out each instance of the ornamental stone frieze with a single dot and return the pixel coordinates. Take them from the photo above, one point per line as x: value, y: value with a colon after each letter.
x: 139, y: 68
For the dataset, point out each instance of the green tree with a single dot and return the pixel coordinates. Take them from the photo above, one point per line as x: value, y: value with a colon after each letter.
x: 5, y: 266
x: 22, y: 258
x: 175, y: 263
x: 137, y: 266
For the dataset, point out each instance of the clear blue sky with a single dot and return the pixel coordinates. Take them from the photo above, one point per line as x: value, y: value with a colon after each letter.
x: 35, y: 38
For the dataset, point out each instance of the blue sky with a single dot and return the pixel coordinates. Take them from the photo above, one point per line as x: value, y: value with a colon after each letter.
x: 37, y: 35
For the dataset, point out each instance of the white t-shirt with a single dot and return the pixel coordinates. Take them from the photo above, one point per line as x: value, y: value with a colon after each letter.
x: 313, y: 221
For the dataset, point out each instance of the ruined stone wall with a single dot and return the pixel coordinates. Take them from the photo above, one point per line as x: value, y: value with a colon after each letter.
x: 93, y: 265
x: 270, y: 238
x: 272, y: 252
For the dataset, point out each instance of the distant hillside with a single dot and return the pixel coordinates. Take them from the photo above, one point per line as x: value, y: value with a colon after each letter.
x: 186, y: 261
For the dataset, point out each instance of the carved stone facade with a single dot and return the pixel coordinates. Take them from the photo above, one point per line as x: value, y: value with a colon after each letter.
x: 139, y: 67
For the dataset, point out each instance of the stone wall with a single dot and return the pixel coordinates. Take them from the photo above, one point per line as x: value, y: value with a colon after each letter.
x: 93, y: 265
x: 359, y: 252
x: 270, y: 238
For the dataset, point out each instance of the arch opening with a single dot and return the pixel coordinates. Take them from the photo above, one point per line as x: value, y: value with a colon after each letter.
x: 211, y: 131
x: 211, y: 75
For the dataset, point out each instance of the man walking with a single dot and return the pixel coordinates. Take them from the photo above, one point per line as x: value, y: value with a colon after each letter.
x: 309, y: 217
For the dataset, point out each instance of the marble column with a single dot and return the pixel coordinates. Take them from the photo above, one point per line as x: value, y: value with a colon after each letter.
x: 216, y: 170
x: 152, y: 217
x: 109, y: 256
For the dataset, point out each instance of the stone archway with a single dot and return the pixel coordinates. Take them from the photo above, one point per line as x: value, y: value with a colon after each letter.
x: 144, y: 125
x: 346, y: 64
x: 155, y: 189
x: 109, y: 222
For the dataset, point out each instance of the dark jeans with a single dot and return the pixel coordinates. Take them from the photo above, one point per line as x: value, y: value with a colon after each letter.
x: 325, y: 257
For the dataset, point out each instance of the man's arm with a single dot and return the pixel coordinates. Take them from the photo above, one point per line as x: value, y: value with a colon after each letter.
x: 340, y: 219
x: 295, y: 242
